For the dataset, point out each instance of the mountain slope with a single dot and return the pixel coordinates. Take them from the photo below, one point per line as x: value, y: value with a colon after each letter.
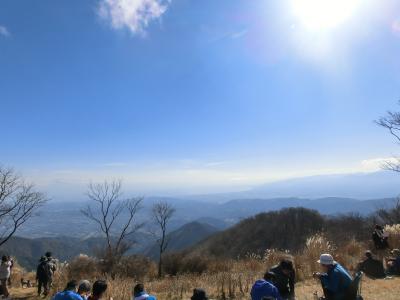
x: 184, y: 237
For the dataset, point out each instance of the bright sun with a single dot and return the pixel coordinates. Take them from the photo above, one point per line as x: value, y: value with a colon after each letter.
x: 323, y: 14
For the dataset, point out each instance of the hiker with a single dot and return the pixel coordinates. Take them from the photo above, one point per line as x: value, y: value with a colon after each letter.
x: 393, y: 263
x: 199, y: 294
x: 70, y: 292
x: 372, y: 267
x: 84, y: 289
x: 42, y: 276
x: 335, y: 280
x: 11, y: 269
x: 5, y: 271
x: 265, y: 289
x: 52, y: 267
x: 284, y: 278
x: 98, y: 290
x: 139, y: 293
x: 380, y: 238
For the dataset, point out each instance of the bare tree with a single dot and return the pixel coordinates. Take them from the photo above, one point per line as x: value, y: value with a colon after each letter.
x: 391, y: 122
x: 162, y: 213
x: 18, y: 202
x: 116, y: 218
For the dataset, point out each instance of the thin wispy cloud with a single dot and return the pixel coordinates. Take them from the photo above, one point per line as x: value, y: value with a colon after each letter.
x: 134, y: 15
x: 4, y: 31
x: 396, y: 27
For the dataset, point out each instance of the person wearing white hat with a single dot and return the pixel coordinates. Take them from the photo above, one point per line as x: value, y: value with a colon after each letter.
x: 335, y: 280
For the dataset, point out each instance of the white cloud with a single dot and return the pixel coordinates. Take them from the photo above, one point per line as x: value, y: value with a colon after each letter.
x: 376, y: 164
x: 4, y: 31
x: 134, y: 15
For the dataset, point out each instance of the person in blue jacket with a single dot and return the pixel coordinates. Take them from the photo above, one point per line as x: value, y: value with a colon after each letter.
x: 335, y: 280
x: 70, y: 292
x: 264, y: 289
x: 139, y: 293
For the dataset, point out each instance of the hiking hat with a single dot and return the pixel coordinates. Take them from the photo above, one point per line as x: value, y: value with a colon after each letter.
x: 326, y: 260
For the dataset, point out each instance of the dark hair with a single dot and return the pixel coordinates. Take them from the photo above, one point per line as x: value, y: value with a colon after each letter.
x: 199, y: 294
x: 4, y: 258
x: 286, y: 264
x: 48, y: 254
x: 269, y: 276
x: 138, y: 288
x: 99, y: 287
x: 368, y: 254
x: 71, y: 285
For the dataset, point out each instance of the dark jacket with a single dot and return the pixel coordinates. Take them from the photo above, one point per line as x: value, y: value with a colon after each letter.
x: 284, y: 283
x: 373, y: 268
x: 43, y: 271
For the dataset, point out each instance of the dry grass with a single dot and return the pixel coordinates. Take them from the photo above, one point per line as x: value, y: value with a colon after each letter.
x: 232, y: 279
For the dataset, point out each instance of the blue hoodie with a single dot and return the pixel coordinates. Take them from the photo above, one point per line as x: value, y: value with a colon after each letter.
x: 143, y: 296
x: 263, y: 288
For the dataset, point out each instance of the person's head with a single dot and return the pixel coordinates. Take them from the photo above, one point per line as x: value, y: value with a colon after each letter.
x: 138, y: 288
x: 269, y: 276
x: 368, y: 254
x: 4, y: 258
x: 286, y: 266
x: 71, y: 285
x: 378, y: 227
x: 199, y: 294
x: 84, y: 287
x: 48, y: 254
x: 99, y: 288
x: 326, y: 261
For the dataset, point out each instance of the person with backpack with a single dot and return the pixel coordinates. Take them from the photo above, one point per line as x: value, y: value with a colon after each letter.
x: 139, y: 293
x: 42, y: 276
x: 284, y: 278
x: 380, y: 238
x: 265, y: 289
x: 5, y: 272
x: 335, y: 280
x: 52, y: 262
x: 69, y: 293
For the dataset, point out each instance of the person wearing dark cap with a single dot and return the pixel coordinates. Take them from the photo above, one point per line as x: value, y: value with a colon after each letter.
x: 42, y: 276
x: 371, y: 267
x: 52, y: 264
x: 265, y: 289
x: 285, y: 278
x: 199, y: 294
x: 69, y: 293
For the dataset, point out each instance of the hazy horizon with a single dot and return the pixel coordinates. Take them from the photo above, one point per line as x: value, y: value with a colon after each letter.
x: 182, y: 97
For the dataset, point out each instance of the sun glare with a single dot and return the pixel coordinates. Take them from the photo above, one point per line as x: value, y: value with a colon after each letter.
x: 324, y: 14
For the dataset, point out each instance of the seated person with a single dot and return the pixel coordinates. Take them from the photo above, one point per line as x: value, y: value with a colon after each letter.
x: 284, y: 278
x: 199, y: 294
x: 264, y: 289
x: 98, y: 290
x: 335, y: 280
x: 393, y: 263
x: 372, y: 267
x: 70, y: 292
x: 140, y: 294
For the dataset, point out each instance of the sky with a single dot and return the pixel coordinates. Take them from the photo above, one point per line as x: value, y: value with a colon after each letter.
x: 184, y: 96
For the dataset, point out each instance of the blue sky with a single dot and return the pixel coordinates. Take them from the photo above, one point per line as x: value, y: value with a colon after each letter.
x: 189, y: 96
